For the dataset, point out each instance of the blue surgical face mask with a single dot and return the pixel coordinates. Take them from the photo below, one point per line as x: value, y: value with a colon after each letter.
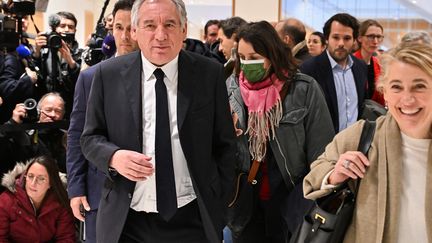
x: 253, y: 70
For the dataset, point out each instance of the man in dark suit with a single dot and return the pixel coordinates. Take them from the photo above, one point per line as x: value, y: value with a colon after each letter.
x: 84, y: 179
x: 342, y: 77
x: 158, y: 124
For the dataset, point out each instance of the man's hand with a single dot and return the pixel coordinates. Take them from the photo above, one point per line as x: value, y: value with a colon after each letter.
x: 65, y: 53
x: 40, y: 41
x: 32, y: 74
x: 75, y: 204
x: 132, y: 165
x: 19, y: 113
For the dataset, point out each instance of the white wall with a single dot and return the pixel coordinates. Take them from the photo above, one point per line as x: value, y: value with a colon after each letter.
x: 256, y: 10
x: 78, y: 8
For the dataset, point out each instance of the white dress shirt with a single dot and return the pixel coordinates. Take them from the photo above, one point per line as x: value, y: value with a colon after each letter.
x: 144, y: 197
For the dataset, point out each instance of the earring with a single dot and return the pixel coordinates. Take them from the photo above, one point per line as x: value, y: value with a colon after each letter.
x: 386, y: 106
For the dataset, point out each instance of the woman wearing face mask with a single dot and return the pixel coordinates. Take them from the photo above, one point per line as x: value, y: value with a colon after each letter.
x: 282, y: 124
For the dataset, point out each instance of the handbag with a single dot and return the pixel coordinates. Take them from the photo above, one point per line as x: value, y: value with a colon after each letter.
x: 330, y: 216
x: 371, y: 110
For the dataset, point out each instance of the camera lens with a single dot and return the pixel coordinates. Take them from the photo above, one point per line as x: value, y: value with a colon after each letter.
x: 55, y: 41
x: 30, y: 104
x: 32, y: 114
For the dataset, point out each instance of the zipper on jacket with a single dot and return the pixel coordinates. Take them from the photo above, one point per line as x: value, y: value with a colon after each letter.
x: 285, y: 161
x: 34, y: 207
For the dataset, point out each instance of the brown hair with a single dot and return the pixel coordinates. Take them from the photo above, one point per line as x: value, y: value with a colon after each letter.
x: 266, y: 42
x: 57, y: 187
x: 364, y: 26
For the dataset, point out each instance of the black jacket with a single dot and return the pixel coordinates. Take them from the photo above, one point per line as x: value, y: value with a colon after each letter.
x: 15, y: 85
x: 64, y: 82
x: 206, y: 133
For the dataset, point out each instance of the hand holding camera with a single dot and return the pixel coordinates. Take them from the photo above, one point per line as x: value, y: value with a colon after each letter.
x: 25, y: 112
x: 40, y: 41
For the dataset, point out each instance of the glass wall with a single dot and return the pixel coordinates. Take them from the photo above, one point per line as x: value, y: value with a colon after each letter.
x: 395, y: 17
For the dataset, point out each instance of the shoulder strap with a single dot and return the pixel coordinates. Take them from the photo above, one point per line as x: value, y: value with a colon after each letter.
x: 366, y: 136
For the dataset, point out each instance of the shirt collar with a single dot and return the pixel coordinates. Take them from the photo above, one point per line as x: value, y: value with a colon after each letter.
x: 334, y: 64
x: 169, y: 69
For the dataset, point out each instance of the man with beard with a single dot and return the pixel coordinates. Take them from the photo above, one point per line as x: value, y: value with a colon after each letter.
x: 342, y: 77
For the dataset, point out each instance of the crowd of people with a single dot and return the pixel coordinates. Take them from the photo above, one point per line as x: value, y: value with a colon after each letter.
x: 173, y: 139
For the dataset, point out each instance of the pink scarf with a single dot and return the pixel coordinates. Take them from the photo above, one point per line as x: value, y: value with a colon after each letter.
x: 265, y: 111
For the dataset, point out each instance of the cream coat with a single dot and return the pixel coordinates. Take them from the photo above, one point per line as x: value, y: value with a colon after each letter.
x: 376, y: 215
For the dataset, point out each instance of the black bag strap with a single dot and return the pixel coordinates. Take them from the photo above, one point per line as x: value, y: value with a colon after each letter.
x: 366, y: 138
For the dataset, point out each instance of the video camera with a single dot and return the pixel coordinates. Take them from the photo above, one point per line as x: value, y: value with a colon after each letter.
x: 11, y: 25
x: 94, y: 53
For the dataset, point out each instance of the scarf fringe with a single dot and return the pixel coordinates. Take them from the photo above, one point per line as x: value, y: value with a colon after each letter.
x: 261, y: 128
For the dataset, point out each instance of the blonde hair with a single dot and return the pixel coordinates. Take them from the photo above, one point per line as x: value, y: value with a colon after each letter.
x: 416, y: 54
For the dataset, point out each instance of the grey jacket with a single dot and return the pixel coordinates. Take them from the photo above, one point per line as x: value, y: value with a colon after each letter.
x: 304, y: 131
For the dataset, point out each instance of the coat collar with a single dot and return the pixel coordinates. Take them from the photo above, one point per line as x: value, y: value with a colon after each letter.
x: 131, y: 76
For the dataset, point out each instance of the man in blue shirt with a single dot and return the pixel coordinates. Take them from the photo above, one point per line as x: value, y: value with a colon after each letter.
x: 342, y: 77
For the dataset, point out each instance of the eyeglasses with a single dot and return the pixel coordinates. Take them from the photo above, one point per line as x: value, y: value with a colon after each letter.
x: 213, y: 34
x: 40, y: 180
x: 372, y: 37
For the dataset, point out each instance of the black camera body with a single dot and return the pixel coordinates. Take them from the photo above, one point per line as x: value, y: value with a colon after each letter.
x: 54, y: 39
x: 31, y: 107
x: 10, y: 24
x: 94, y: 53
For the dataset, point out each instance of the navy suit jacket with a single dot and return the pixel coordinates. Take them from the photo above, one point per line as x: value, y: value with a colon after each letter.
x: 320, y: 69
x: 84, y: 179
x: 206, y: 132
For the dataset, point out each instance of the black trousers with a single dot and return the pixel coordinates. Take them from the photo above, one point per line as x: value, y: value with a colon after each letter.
x: 185, y: 226
x: 257, y: 230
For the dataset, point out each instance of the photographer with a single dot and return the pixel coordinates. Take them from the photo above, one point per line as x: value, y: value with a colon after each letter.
x: 59, y: 74
x: 27, y: 144
x: 16, y: 83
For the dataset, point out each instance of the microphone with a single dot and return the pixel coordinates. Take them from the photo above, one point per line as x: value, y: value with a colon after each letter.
x: 54, y: 21
x: 25, y: 55
x: 108, y: 46
x: 23, y: 51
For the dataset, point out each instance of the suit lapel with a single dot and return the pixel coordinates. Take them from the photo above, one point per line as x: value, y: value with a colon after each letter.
x: 131, y: 77
x: 327, y: 74
x: 186, y: 79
